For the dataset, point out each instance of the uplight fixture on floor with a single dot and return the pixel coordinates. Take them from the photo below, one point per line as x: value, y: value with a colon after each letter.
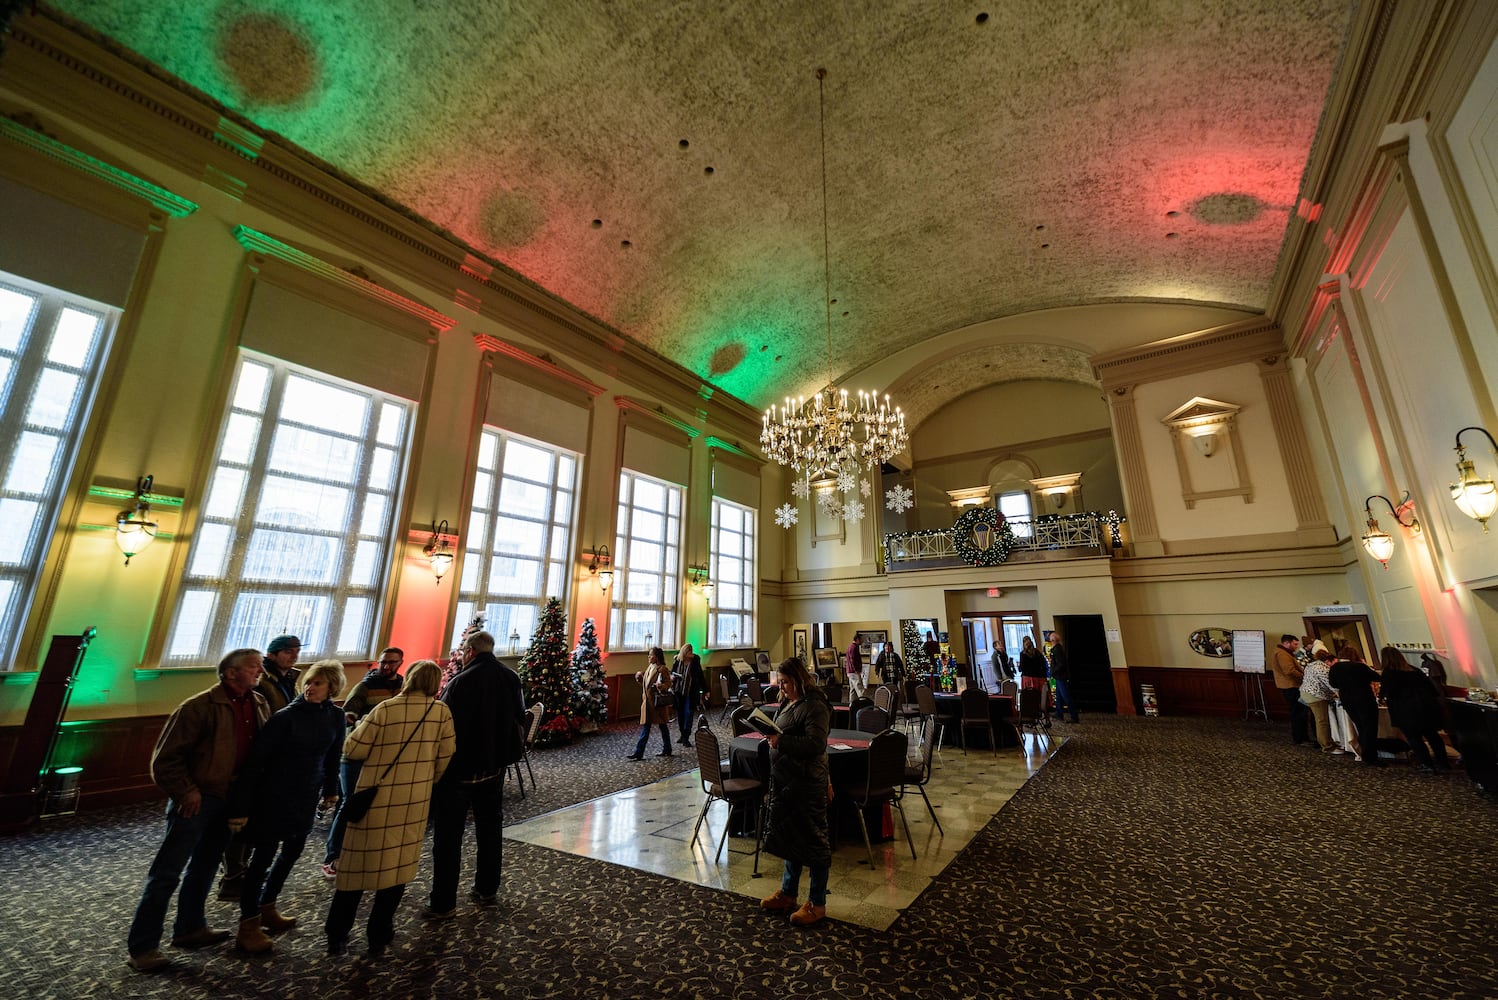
x: 1474, y: 495
x: 826, y: 436
x: 133, y: 528
x: 437, y: 551
x: 1379, y: 543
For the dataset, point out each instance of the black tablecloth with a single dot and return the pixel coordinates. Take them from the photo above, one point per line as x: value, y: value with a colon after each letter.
x: 1000, y: 711
x: 847, y: 768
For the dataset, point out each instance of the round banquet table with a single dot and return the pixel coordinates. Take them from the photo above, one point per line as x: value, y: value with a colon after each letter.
x: 847, y: 768
x: 1000, y: 711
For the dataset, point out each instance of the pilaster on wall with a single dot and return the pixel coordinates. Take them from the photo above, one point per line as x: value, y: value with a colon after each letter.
x: 1290, y: 435
x: 1140, y: 505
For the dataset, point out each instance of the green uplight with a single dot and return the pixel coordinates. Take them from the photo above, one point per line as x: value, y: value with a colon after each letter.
x: 67, y: 770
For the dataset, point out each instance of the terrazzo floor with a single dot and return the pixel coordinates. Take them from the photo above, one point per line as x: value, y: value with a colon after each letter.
x: 649, y: 828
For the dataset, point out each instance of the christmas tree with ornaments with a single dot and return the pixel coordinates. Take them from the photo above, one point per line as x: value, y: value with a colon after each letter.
x: 590, y: 691
x: 454, y: 661
x: 546, y: 672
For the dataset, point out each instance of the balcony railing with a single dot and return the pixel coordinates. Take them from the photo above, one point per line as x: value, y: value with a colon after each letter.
x: 1076, y: 534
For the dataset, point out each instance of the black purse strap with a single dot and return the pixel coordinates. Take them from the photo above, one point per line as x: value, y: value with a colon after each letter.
x: 402, y: 750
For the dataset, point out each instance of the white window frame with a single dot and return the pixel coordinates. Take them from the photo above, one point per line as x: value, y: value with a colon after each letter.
x: 1020, y: 524
x: 747, y: 565
x: 319, y: 612
x: 664, y: 615
x: 481, y: 548
x: 32, y: 485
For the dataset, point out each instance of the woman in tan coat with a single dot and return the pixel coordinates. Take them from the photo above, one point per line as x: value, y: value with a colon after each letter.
x: 655, y: 681
x: 414, y: 733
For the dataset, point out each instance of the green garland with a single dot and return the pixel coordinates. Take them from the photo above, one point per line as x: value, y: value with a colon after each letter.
x: 968, y: 551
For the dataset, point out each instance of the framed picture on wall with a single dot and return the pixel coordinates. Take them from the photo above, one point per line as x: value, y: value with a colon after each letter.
x: 869, y: 641
x: 799, y: 642
x: 826, y: 658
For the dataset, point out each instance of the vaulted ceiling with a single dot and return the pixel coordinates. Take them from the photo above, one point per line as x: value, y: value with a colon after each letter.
x: 657, y: 165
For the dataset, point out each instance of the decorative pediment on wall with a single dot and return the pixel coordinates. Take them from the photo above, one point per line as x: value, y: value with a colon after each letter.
x: 1208, y: 450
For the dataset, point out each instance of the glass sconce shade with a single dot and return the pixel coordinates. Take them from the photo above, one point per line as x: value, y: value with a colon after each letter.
x: 1474, y: 496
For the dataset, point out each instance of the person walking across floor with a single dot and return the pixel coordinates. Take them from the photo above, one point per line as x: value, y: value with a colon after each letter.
x: 655, y: 704
x: 1288, y: 674
x: 292, y: 766
x: 693, y: 688
x: 1316, y: 692
x: 489, y: 717
x: 1414, y: 708
x: 1354, y: 682
x: 204, y: 743
x: 1061, y: 674
x: 405, y: 743
x: 889, y: 664
x: 380, y: 683
x: 853, y: 668
x: 798, y: 794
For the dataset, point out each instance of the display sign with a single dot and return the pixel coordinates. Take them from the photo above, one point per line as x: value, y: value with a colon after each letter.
x: 1248, y: 651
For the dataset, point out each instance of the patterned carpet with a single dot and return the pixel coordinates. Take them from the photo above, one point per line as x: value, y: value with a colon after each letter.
x: 1151, y: 857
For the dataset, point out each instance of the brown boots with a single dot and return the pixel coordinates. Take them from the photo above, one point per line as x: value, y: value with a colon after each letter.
x: 273, y: 922
x: 252, y: 940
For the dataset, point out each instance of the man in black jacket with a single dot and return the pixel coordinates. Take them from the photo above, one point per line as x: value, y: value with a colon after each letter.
x: 489, y: 715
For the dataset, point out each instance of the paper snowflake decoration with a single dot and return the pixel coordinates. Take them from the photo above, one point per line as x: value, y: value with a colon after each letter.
x: 846, y: 483
x: 785, y: 515
x: 865, y: 487
x: 800, y: 488
x: 853, y: 510
x: 830, y: 504
x: 900, y: 499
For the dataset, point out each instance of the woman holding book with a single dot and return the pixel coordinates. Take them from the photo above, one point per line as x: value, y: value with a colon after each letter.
x: 655, y: 703
x: 798, y: 794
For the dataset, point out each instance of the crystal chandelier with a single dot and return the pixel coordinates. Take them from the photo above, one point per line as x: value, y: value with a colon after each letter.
x: 827, y: 438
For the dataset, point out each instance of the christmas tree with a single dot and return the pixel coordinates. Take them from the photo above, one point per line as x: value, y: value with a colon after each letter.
x: 913, y: 643
x: 547, y: 675
x: 454, y: 661
x: 590, y: 692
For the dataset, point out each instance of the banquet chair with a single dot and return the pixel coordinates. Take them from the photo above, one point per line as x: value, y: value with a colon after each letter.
x: 1032, y: 713
x: 925, y: 702
x: 885, y: 698
x: 720, y: 787
x: 736, y: 722
x: 727, y: 697
x: 858, y: 705
x: 1009, y: 689
x: 885, y: 782
x: 919, y: 773
x: 871, y: 720
x: 755, y: 692
x: 909, y: 710
x: 975, y: 716
x: 535, y: 712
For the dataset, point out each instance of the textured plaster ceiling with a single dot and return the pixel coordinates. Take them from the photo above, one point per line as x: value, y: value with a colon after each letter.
x: 925, y: 390
x: 656, y: 164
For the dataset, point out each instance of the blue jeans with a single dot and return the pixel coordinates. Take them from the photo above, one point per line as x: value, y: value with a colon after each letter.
x: 645, y: 736
x: 684, y: 706
x: 348, y: 778
x: 260, y: 890
x: 196, y: 844
x: 1063, y: 698
x: 792, y: 879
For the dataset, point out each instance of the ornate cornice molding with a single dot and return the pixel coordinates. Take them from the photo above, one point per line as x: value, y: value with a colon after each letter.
x: 158, y: 198
x: 629, y: 407
x: 1247, y: 340
x: 490, y: 344
x: 257, y: 242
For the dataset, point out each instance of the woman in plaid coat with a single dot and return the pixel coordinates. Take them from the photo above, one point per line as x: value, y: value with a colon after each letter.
x: 381, y: 851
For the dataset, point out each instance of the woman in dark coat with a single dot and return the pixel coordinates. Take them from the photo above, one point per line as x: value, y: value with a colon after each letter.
x: 798, y: 793
x: 1354, y: 682
x: 292, y: 764
x: 1415, y: 708
x: 1033, y: 672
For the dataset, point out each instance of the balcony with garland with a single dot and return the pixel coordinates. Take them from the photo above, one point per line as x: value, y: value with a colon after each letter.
x: 982, y: 536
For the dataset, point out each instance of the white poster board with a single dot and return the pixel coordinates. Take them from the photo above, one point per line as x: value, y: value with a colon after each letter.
x: 1248, y: 651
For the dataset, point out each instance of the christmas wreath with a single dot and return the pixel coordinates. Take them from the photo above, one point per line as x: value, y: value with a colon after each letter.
x: 1001, y: 537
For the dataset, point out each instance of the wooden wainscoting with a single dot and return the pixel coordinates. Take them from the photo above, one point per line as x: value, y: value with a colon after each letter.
x: 115, y: 755
x: 1197, y: 691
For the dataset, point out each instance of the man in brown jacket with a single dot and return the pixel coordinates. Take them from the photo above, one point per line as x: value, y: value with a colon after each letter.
x: 200, y: 750
x: 1287, y: 677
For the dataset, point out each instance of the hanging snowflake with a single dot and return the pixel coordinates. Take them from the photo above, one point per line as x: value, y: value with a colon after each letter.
x: 900, y: 499
x: 785, y: 515
x: 846, y: 483
x: 831, y: 505
x: 800, y: 488
x: 853, y: 510
x: 865, y: 487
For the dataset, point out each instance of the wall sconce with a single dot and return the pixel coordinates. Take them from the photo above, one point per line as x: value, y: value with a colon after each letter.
x: 602, y: 566
x: 1379, y: 543
x: 1474, y: 496
x: 1205, y: 441
x: 437, y: 552
x: 697, y: 577
x: 133, y: 528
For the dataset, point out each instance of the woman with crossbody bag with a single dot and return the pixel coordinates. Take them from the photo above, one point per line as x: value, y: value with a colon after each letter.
x: 656, y: 702
x: 405, y: 743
